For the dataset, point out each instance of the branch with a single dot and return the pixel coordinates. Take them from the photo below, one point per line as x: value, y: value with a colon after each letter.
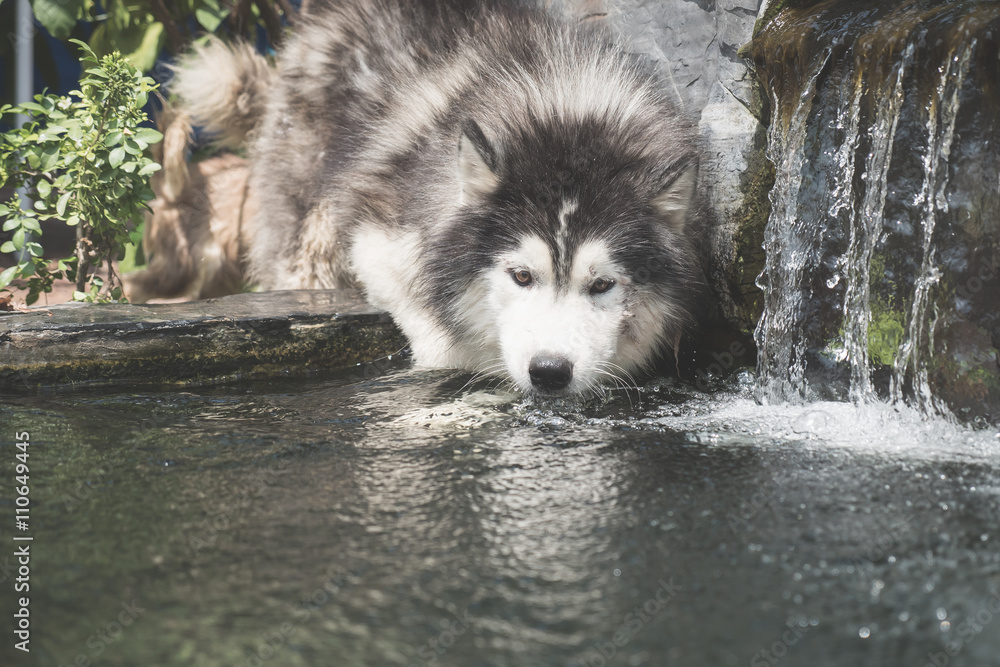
x: 239, y: 16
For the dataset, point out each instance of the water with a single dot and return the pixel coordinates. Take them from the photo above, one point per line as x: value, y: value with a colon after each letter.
x: 396, y: 519
x: 883, y: 128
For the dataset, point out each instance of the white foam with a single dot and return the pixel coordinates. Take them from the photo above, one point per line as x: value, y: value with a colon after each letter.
x: 874, y: 427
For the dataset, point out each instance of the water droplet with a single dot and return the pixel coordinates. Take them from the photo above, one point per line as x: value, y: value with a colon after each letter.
x: 864, y: 633
x: 942, y: 613
x: 617, y: 572
x: 811, y: 421
x: 945, y: 626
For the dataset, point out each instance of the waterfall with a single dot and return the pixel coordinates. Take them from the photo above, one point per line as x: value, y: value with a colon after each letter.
x: 941, y: 114
x: 886, y: 205
x: 780, y: 346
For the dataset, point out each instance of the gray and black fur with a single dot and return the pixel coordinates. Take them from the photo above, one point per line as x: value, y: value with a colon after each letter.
x: 405, y: 145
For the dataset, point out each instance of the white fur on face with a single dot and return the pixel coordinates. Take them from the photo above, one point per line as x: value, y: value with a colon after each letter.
x: 560, y: 320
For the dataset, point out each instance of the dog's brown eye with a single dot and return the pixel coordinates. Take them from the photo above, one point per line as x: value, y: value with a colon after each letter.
x: 601, y: 285
x: 523, y: 278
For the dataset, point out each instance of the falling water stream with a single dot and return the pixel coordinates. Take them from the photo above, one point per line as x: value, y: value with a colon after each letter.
x: 876, y: 227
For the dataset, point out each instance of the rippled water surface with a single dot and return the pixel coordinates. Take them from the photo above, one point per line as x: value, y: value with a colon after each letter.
x: 406, y: 519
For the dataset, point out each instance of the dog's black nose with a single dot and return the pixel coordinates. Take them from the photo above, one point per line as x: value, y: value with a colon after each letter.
x: 550, y: 373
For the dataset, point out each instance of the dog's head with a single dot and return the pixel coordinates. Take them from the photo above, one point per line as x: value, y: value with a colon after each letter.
x: 570, y: 262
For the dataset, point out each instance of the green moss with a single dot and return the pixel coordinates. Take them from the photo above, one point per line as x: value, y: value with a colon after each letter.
x: 750, y: 219
x: 886, y: 325
x: 885, y: 332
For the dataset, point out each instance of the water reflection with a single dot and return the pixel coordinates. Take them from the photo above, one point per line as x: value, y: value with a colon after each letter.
x: 401, y: 519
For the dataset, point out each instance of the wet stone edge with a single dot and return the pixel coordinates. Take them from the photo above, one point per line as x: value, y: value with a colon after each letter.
x: 217, y: 340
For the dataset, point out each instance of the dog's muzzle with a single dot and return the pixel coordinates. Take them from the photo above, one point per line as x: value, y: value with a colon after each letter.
x: 550, y: 373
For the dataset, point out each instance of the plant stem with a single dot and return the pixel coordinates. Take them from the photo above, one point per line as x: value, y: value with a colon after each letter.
x: 82, y: 257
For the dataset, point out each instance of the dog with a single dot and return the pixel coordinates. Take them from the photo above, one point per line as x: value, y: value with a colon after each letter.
x: 516, y: 191
x: 192, y: 229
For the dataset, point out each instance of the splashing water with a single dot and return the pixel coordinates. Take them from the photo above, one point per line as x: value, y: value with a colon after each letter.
x: 941, y: 115
x: 789, y: 245
x: 871, y: 230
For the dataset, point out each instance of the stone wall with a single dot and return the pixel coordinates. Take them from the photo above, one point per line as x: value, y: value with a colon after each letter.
x: 695, y: 47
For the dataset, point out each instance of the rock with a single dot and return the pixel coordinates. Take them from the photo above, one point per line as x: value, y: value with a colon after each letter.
x: 240, y: 336
x: 694, y: 46
x: 883, y: 253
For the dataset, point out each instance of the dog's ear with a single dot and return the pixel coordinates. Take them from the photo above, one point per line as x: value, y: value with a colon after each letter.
x: 674, y: 200
x: 477, y: 163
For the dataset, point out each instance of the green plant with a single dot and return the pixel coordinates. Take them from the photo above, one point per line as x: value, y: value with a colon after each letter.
x: 140, y: 29
x: 83, y: 155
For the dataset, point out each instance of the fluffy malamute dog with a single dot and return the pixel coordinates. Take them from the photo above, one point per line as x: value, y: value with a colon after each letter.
x: 515, y: 190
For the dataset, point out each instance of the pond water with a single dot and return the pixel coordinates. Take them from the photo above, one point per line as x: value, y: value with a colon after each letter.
x: 400, y: 517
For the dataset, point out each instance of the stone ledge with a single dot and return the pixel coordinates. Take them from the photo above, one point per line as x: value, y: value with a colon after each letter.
x: 241, y: 336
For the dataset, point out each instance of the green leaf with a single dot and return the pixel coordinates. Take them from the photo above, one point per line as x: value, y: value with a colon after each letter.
x: 8, y: 246
x: 7, y: 275
x: 50, y: 158
x: 31, y: 106
x: 209, y: 20
x: 139, y: 42
x: 116, y: 157
x: 61, y: 204
x: 18, y: 239
x: 4, y: 210
x: 44, y: 189
x: 114, y: 138
x: 34, y: 249
x: 88, y: 53
x: 57, y: 16
x: 148, y: 135
x: 150, y: 168
x: 51, y: 133
x: 79, y: 296
x: 31, y: 224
